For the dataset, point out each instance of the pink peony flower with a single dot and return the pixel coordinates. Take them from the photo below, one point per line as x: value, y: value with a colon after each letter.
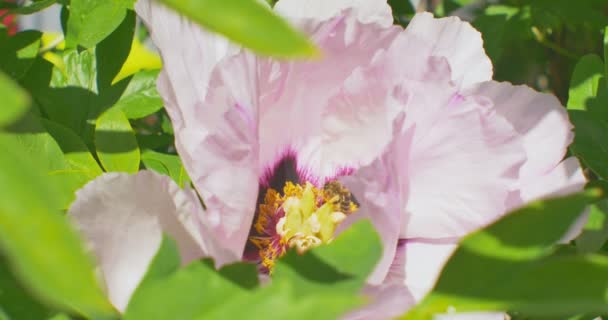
x: 403, y: 127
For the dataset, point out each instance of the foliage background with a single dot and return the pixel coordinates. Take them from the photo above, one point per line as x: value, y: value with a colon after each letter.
x: 82, y: 103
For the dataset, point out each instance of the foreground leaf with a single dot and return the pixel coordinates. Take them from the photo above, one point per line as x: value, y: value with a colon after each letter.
x: 171, y: 293
x: 508, y: 266
x: 14, y: 101
x: 167, y: 164
x: 53, y: 263
x: 18, y: 52
x: 141, y: 98
x: 90, y: 21
x: 325, y: 282
x: 590, y: 141
x: 247, y: 22
x: 116, y: 144
x: 585, y: 81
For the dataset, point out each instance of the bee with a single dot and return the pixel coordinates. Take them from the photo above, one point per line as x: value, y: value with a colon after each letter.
x: 335, y: 192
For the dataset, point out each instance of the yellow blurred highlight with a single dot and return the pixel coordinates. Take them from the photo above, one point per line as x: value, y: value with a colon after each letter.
x: 140, y: 57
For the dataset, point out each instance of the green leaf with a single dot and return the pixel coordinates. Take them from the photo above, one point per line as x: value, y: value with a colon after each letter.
x: 323, y: 282
x: 249, y: 23
x: 90, y: 21
x: 18, y: 52
x: 14, y: 103
x: 171, y: 293
x: 112, y: 52
x: 116, y: 144
x: 508, y: 266
x: 606, y: 53
x: 15, y: 301
x: 75, y: 151
x: 585, y: 81
x: 52, y: 263
x: 359, y: 260
x: 66, y: 94
x: 590, y: 141
x: 595, y: 232
x: 141, y: 98
x: 34, y: 7
x: 29, y: 134
x: 166, y: 164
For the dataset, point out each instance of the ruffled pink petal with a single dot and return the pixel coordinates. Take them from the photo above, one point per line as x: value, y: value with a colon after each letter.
x: 565, y: 178
x: 366, y: 11
x: 458, y: 42
x: 308, y: 108
x: 539, y: 118
x: 424, y: 260
x: 210, y: 93
x: 464, y: 162
x: 123, y: 217
x: 381, y: 189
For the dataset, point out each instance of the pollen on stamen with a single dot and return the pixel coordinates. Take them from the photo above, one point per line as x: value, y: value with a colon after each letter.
x: 302, y: 217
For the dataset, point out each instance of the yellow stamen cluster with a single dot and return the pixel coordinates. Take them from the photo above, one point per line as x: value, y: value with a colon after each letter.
x: 303, y: 217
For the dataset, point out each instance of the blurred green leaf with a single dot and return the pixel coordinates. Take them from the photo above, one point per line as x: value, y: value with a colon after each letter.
x: 75, y: 151
x: 590, y: 141
x: 15, y: 301
x: 249, y: 23
x: 171, y: 293
x: 154, y: 141
x: 112, y: 52
x: 358, y: 261
x: 502, y: 25
x: 52, y: 263
x: 508, y: 266
x: 90, y: 21
x: 141, y: 98
x: 116, y: 144
x: 34, y: 7
x: 18, y: 52
x: 606, y: 53
x: 321, y: 282
x: 595, y: 232
x: 14, y: 101
x: 28, y: 134
x: 585, y: 81
x: 166, y: 164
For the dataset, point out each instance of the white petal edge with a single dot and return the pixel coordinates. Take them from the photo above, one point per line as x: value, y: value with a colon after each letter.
x: 462, y: 138
x: 209, y: 91
x: 539, y: 118
x: 565, y: 178
x: 458, y: 42
x: 424, y: 261
x: 122, y: 219
x: 367, y: 11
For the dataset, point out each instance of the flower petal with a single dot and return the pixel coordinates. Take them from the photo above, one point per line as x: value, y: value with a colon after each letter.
x: 381, y: 190
x: 464, y: 162
x: 209, y: 90
x: 458, y: 42
x: 298, y: 99
x: 565, y: 178
x: 123, y: 218
x: 367, y: 11
x: 424, y: 260
x: 539, y: 118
